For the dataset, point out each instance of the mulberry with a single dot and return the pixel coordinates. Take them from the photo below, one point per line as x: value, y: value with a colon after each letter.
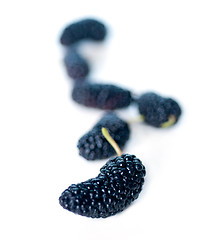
x: 102, y: 96
x: 118, y: 184
x: 85, y: 29
x: 93, y: 145
x: 158, y: 111
x: 76, y: 66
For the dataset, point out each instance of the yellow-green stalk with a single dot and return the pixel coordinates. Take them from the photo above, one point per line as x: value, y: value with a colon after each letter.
x: 111, y: 141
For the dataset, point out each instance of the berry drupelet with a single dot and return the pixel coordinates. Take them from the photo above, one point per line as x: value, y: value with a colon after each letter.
x: 102, y: 96
x: 158, y: 111
x: 76, y: 66
x: 93, y: 145
x: 87, y: 29
x: 118, y: 184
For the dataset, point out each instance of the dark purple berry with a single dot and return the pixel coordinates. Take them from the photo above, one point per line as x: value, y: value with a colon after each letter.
x: 89, y: 29
x: 102, y: 96
x: 93, y: 144
x: 118, y: 184
x: 157, y: 110
x: 76, y: 66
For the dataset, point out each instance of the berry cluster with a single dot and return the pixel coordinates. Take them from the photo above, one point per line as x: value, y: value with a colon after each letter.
x: 120, y: 180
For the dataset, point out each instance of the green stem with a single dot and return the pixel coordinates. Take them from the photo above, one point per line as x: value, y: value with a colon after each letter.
x: 170, y: 122
x: 138, y: 119
x: 111, y: 141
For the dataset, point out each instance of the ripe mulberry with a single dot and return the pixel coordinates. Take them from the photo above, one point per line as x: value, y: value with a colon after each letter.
x: 85, y: 29
x: 158, y: 111
x: 93, y: 145
x: 118, y: 184
x: 76, y: 65
x: 102, y: 96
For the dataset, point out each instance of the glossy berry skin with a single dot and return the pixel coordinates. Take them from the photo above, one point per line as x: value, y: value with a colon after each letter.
x: 76, y: 66
x: 102, y: 96
x: 118, y: 184
x: 157, y: 109
x: 93, y: 144
x: 87, y: 29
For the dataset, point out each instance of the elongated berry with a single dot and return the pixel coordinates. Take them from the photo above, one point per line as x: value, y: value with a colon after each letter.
x: 158, y: 111
x: 76, y: 66
x: 102, y: 96
x: 87, y: 29
x: 118, y: 184
x: 93, y: 144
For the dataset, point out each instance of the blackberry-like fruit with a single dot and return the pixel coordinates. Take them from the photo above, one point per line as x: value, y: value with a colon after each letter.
x: 118, y: 184
x: 85, y: 29
x: 102, y: 96
x: 76, y: 66
x: 93, y: 145
x: 158, y: 111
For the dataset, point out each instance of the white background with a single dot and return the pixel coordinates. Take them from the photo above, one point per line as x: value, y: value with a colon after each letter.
x: 171, y: 47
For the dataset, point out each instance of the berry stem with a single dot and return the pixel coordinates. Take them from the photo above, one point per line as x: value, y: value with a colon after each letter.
x: 138, y: 119
x: 170, y: 122
x: 111, y: 141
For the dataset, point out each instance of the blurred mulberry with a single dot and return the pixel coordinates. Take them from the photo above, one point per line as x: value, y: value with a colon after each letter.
x: 76, y: 66
x: 102, y: 96
x: 87, y: 29
x: 158, y: 111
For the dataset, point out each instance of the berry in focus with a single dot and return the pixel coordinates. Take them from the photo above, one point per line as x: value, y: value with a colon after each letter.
x: 118, y: 184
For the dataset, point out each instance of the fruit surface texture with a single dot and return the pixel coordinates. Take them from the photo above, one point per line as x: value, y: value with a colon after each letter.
x: 118, y: 184
x: 93, y: 144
